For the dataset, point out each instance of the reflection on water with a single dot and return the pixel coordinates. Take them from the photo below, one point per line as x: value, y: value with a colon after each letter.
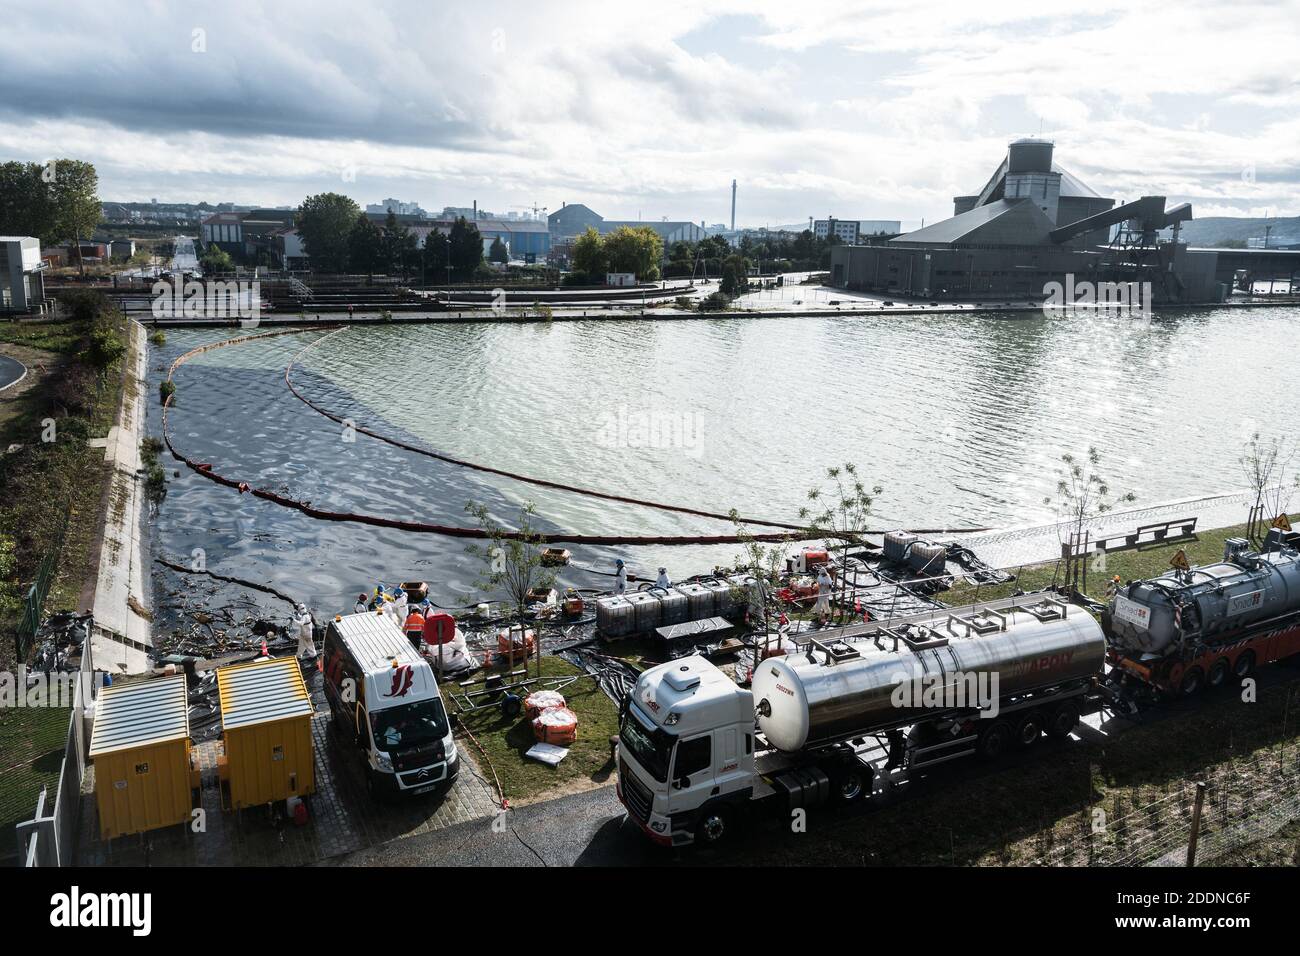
x: 961, y: 418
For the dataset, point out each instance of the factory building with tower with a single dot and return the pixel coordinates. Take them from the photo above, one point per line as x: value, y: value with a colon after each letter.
x: 1032, y: 224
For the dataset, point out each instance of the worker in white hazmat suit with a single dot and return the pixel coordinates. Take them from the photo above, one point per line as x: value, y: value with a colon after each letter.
x: 823, y: 606
x: 306, y: 640
x: 620, y: 577
x: 662, y: 581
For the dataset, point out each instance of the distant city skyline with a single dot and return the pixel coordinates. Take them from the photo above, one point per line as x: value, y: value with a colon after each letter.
x: 879, y: 110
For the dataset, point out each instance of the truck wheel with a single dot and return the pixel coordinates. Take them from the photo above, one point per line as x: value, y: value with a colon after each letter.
x: 1028, y: 728
x: 851, y: 784
x: 1245, y: 664
x: 1193, y: 680
x: 1219, y: 673
x: 994, y: 740
x: 1063, y: 721
x: 714, y: 825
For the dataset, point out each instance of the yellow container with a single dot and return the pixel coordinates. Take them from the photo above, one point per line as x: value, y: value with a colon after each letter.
x: 266, y: 716
x: 140, y: 746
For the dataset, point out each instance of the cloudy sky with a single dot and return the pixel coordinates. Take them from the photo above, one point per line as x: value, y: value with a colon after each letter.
x: 881, y: 109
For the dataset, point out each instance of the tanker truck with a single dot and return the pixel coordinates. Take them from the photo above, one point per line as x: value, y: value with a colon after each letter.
x: 1178, y: 633
x: 851, y: 713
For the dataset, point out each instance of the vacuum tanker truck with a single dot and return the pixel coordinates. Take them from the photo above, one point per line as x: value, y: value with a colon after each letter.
x: 1176, y: 634
x: 845, y: 717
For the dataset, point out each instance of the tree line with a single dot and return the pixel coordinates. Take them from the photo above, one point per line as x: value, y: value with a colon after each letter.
x: 778, y: 252
x: 339, y: 237
x: 53, y: 201
x: 635, y: 249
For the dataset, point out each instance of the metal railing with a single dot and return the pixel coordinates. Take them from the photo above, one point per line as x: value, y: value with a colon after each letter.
x: 50, y: 839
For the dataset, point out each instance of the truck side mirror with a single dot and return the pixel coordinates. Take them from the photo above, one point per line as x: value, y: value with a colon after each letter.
x: 681, y: 783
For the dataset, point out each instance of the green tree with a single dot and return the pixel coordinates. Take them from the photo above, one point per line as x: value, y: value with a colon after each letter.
x: 465, y: 252
x: 436, y: 256
x: 77, y: 209
x: 397, y: 245
x: 735, y: 275
x: 26, y: 202
x: 589, y: 256
x: 365, y: 245
x: 215, y: 259
x: 325, y: 222
x: 497, y: 252
x: 638, y: 250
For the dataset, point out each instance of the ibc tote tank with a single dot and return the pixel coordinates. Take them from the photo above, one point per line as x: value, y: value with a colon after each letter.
x: 802, y: 703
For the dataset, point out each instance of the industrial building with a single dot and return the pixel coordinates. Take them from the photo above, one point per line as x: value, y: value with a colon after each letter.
x: 1033, y: 224
x: 852, y: 231
x: 22, y: 282
x: 573, y: 219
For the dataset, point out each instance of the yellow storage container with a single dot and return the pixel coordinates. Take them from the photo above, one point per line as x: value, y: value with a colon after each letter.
x: 266, y: 716
x: 141, y: 750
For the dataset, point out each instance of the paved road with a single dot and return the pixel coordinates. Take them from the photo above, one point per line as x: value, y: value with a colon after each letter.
x: 11, y: 370
x: 590, y: 829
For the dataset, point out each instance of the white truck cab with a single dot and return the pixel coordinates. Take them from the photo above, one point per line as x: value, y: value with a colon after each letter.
x: 385, y: 700
x: 686, y: 751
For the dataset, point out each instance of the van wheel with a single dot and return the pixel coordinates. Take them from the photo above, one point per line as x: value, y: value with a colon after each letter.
x: 1028, y: 729
x: 995, y: 740
x: 1245, y: 664
x: 1063, y: 721
x: 1219, y: 673
x: 714, y: 826
x: 1192, y: 682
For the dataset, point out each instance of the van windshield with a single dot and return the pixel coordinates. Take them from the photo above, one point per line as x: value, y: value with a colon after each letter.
x: 410, y: 725
x: 650, y: 747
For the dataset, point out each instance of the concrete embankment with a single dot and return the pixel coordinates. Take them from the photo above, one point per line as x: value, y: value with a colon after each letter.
x: 123, y: 629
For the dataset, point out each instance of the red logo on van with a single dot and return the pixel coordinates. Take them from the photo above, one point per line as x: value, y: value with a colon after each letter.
x: 402, y: 678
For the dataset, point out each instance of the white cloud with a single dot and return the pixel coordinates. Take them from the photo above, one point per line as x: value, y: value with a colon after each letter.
x: 881, y: 109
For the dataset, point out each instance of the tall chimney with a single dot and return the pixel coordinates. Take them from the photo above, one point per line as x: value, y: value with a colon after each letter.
x: 733, y: 205
x: 476, y: 210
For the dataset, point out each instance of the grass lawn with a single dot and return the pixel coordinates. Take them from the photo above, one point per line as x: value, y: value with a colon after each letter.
x: 51, y: 336
x: 505, y: 740
x: 1145, y: 562
x: 31, y: 752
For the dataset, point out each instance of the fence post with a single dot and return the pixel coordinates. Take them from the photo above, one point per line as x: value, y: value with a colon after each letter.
x: 1196, y: 822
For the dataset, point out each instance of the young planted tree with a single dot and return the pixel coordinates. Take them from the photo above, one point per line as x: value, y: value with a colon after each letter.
x: 1267, y: 466
x: 767, y: 564
x: 512, y: 562
x: 497, y: 251
x: 838, y: 512
x: 1082, y: 495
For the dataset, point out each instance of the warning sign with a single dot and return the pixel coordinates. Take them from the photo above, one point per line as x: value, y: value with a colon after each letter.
x: 1179, y: 561
x: 1283, y: 522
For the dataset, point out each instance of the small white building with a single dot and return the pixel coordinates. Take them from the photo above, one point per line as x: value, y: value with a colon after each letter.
x: 22, y: 282
x: 620, y: 278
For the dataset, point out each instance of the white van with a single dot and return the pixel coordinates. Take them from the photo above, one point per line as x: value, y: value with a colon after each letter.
x: 386, y: 702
